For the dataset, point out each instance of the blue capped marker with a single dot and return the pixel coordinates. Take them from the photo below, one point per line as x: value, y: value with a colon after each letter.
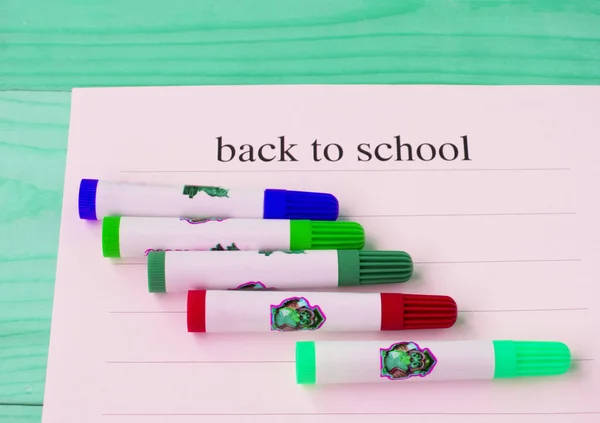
x: 99, y: 198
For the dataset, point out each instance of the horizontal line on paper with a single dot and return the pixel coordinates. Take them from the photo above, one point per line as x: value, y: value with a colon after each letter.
x: 499, y: 261
x: 148, y: 312
x: 462, y: 214
x: 531, y: 413
x: 525, y: 310
x: 541, y: 169
x: 199, y: 362
x: 460, y: 311
x: 235, y: 362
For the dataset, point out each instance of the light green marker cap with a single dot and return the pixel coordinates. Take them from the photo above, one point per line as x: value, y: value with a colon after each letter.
x: 110, y: 237
x: 306, y: 363
x: 321, y: 235
x: 530, y: 358
x: 156, y: 271
x: 373, y: 267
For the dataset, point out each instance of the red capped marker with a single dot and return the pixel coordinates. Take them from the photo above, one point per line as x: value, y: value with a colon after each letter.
x: 276, y: 311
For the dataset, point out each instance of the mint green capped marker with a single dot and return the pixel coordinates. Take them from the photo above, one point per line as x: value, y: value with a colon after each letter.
x: 343, y: 362
x: 136, y: 237
x: 180, y: 271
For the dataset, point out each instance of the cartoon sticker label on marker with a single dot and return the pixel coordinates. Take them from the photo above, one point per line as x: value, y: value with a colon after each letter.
x: 404, y: 360
x: 251, y: 285
x: 231, y: 247
x: 267, y: 253
x: 296, y: 313
x: 192, y: 190
x: 152, y: 250
x: 193, y: 221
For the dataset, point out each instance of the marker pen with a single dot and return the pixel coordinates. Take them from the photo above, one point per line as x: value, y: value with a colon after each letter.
x: 339, y: 362
x: 175, y: 271
x: 280, y: 311
x: 128, y: 237
x: 98, y: 199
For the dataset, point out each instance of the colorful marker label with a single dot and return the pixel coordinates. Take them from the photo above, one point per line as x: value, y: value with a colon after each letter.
x: 404, y: 360
x: 231, y: 247
x: 296, y: 313
x: 152, y: 250
x: 251, y: 285
x: 201, y: 221
x: 192, y: 190
x: 268, y: 253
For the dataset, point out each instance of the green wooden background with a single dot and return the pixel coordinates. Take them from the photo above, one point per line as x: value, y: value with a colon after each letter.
x: 48, y: 47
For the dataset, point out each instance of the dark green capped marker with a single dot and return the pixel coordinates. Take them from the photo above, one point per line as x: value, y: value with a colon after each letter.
x: 181, y: 271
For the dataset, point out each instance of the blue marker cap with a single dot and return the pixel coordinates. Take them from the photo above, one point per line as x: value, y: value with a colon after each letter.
x: 87, y: 199
x: 283, y: 204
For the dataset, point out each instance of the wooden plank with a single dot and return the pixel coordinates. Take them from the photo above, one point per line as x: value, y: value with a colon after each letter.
x: 20, y: 414
x: 61, y: 44
x: 33, y: 138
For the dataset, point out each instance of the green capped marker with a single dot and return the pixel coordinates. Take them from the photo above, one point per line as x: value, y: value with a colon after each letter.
x: 180, y: 271
x: 135, y: 237
x: 342, y: 362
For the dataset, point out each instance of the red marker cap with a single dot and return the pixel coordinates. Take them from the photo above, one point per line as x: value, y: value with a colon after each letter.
x: 196, y: 307
x: 411, y: 311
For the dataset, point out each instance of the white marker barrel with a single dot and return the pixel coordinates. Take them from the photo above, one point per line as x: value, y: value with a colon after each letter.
x: 98, y: 199
x: 280, y: 311
x: 130, y: 237
x: 177, y: 271
x: 340, y: 362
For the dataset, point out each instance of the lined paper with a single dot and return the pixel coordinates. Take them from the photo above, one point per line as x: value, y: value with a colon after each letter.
x: 511, y: 234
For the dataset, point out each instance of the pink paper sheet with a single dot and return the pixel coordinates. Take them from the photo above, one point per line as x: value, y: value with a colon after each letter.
x: 512, y: 234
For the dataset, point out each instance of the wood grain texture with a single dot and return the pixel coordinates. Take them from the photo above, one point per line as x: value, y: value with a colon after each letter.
x: 33, y: 140
x: 59, y: 44
x: 20, y: 414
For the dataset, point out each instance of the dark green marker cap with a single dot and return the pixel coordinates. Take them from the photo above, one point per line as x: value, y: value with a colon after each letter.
x: 373, y: 267
x: 156, y: 271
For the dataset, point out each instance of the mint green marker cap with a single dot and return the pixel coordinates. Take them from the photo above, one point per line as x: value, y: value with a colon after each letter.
x: 373, y: 267
x: 321, y: 235
x: 530, y: 358
x: 306, y: 363
x: 110, y: 237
